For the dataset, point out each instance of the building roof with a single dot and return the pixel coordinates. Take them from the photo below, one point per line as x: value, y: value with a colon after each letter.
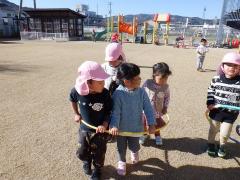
x: 53, y: 12
x: 232, y: 19
x: 8, y: 6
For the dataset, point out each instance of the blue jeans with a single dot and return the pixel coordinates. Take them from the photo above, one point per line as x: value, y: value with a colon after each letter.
x: 200, y: 60
x: 123, y: 142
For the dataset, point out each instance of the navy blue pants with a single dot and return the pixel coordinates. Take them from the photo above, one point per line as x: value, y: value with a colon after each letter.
x: 93, y: 147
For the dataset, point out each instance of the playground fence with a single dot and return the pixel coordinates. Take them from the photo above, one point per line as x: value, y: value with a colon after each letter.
x: 44, y: 36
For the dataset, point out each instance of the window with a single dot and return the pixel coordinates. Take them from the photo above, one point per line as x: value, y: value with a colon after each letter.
x: 5, y: 21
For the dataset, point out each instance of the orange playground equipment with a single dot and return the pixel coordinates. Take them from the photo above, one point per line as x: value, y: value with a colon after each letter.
x: 127, y: 28
x: 161, y: 18
x: 122, y: 27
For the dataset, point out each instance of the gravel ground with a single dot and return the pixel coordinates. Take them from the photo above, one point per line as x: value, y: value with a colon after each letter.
x: 38, y: 137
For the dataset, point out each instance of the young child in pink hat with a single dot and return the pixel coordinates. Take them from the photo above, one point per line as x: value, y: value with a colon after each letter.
x: 114, y: 57
x: 224, y: 91
x: 91, y: 102
x: 114, y: 38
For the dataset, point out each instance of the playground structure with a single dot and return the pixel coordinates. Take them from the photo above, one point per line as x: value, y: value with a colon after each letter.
x: 122, y: 27
x: 132, y: 29
x: 229, y: 17
x: 161, y: 18
x: 160, y: 31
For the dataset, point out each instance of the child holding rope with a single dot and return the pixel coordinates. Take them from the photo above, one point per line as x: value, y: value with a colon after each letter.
x: 159, y: 95
x: 114, y: 56
x: 95, y: 106
x: 129, y: 101
x: 224, y: 90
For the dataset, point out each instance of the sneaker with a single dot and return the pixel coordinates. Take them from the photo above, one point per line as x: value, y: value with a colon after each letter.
x: 87, y: 168
x: 143, y: 139
x: 158, y: 140
x: 96, y: 174
x: 134, y: 157
x: 121, y: 169
x: 211, y: 150
x: 221, y: 152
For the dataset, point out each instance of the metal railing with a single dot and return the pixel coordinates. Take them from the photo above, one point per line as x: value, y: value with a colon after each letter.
x: 44, y: 36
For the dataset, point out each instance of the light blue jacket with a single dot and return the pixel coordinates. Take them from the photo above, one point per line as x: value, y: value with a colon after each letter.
x: 128, y: 107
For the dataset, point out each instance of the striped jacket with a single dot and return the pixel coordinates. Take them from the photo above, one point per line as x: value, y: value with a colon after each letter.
x: 224, y: 91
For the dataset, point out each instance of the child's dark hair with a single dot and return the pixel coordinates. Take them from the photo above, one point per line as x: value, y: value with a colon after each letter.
x: 161, y: 69
x: 127, y: 71
x: 203, y: 40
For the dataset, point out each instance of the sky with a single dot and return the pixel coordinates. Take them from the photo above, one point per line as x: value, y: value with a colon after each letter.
x: 190, y: 8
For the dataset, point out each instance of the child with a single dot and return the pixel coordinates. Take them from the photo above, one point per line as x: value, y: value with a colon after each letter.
x: 223, y: 90
x: 201, y: 52
x: 159, y: 95
x: 129, y: 101
x: 114, y: 56
x: 114, y: 38
x: 94, y: 35
x: 95, y: 105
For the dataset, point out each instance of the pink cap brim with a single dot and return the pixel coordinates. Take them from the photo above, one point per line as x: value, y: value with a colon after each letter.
x: 111, y: 58
x: 81, y: 85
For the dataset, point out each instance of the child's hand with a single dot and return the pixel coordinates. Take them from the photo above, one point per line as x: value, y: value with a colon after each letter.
x: 164, y: 111
x: 211, y: 107
x: 114, y: 131
x: 100, y: 129
x: 77, y: 118
x: 151, y: 129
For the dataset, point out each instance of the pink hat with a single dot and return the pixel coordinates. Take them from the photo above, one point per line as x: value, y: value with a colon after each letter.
x: 231, y: 57
x: 115, y: 36
x: 86, y: 71
x: 113, y: 51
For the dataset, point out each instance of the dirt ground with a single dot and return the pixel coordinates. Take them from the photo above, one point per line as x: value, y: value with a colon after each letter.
x: 38, y: 137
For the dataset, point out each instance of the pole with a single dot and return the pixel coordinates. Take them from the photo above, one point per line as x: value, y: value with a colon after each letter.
x: 220, y: 32
x: 35, y: 6
x: 20, y: 10
x: 145, y: 32
x: 133, y: 29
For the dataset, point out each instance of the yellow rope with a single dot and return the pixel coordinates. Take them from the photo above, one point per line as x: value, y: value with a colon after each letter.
x: 132, y: 134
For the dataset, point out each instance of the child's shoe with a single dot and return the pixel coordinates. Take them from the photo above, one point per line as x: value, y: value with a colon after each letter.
x: 142, y: 139
x: 121, y: 169
x: 96, y: 175
x: 134, y: 157
x: 222, y: 152
x: 211, y: 150
x: 158, y: 140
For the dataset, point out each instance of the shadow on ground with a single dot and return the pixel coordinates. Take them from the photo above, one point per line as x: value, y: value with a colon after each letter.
x: 209, y: 70
x: 154, y: 168
x: 10, y: 41
x: 158, y: 169
x: 194, y: 146
x: 16, y: 68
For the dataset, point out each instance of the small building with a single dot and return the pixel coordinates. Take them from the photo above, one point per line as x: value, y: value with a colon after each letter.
x: 58, y: 21
x: 8, y: 23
